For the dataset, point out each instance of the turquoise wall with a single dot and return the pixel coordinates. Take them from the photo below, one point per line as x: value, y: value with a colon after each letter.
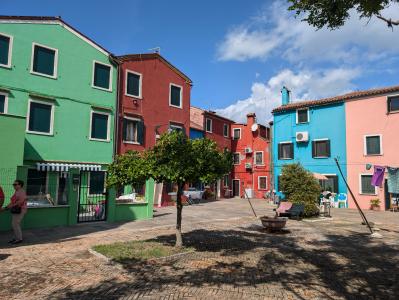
x: 71, y: 93
x: 325, y: 122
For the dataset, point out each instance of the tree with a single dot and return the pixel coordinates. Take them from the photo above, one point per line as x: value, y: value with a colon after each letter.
x: 174, y: 158
x: 334, y: 13
x: 299, y: 186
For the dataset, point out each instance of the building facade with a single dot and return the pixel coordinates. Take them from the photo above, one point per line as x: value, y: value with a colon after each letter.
x: 251, y: 173
x: 311, y: 133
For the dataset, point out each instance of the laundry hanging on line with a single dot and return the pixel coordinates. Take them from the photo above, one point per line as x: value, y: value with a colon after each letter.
x: 378, y: 176
x: 393, y: 180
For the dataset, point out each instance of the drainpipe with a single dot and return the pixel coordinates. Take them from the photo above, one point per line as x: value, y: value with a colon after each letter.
x: 118, y: 63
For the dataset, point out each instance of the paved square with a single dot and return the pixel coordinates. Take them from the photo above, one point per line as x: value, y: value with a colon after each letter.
x: 234, y: 259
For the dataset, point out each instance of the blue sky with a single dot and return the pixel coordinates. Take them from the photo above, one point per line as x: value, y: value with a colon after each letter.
x: 238, y: 53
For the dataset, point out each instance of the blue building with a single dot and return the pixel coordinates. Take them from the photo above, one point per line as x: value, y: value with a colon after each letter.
x: 312, y: 133
x: 196, y: 134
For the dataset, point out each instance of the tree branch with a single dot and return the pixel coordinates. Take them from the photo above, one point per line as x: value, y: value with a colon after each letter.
x: 389, y: 22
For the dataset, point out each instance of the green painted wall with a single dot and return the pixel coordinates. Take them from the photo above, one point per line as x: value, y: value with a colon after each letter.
x: 130, y: 212
x: 72, y: 93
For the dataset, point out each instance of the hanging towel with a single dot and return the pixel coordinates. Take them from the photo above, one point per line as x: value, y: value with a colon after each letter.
x: 393, y: 180
x: 378, y: 176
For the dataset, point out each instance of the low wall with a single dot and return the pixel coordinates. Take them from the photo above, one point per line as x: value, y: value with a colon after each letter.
x: 132, y: 211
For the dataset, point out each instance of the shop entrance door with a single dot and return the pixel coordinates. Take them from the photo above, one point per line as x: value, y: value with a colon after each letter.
x: 236, y: 188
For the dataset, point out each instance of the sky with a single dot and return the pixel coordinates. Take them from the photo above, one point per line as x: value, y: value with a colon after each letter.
x: 239, y: 54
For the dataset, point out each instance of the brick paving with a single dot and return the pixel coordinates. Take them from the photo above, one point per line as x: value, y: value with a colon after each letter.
x: 234, y: 259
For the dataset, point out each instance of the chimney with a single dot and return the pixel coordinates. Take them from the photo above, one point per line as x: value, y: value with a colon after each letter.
x: 251, y: 119
x: 285, y: 96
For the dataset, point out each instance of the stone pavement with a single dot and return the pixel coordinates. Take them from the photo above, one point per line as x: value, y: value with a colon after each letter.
x: 234, y: 258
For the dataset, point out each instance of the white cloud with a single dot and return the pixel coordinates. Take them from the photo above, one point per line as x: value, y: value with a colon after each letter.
x: 305, y: 85
x: 277, y: 32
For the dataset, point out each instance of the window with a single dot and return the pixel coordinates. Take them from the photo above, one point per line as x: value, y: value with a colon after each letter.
x: 5, y: 50
x: 102, y: 76
x: 36, y: 183
x: 40, y: 117
x: 173, y: 127
x: 44, y: 61
x: 286, y: 150
x: 393, y: 104
x: 226, y: 180
x: 262, y: 182
x: 99, y: 129
x: 373, y: 145
x: 331, y: 184
x: 365, y: 185
x: 236, y: 158
x: 236, y: 133
x: 96, y: 182
x: 175, y: 96
x: 321, y: 148
x: 259, y: 158
x: 208, y: 125
x: 302, y: 116
x: 225, y: 130
x: 3, y: 103
x: 133, y: 131
x: 133, y: 84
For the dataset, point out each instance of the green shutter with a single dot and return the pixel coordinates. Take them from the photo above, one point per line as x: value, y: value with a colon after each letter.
x: 140, y: 132
x: 4, y: 49
x: 99, y: 126
x: 43, y: 60
x: 133, y: 84
x: 2, y: 103
x: 40, y: 117
x: 102, y: 75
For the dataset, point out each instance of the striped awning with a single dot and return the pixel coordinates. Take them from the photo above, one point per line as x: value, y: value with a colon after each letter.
x: 59, y: 167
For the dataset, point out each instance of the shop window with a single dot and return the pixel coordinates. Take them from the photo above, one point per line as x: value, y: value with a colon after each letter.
x: 102, y: 76
x: 99, y: 126
x: 133, y: 84
x: 40, y: 117
x: 44, y: 61
x: 96, y: 182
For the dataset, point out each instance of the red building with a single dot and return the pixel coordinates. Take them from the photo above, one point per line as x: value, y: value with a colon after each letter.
x: 154, y: 97
x: 251, y: 153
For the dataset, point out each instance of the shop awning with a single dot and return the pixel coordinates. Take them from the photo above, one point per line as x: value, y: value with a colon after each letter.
x: 319, y: 176
x: 59, y: 167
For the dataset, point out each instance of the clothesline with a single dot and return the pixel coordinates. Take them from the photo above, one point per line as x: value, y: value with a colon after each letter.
x: 379, y: 174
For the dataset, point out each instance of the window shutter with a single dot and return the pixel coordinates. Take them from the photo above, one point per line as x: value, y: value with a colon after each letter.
x: 292, y: 150
x: 124, y: 130
x: 279, y: 151
x: 328, y: 146
x: 313, y: 149
x: 140, y: 132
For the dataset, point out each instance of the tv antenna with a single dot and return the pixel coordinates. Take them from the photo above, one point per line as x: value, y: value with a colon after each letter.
x: 156, y: 50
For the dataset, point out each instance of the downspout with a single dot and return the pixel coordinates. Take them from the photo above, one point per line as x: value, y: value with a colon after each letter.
x: 116, y: 62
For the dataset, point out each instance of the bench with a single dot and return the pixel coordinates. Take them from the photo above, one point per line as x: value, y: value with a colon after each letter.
x: 283, y: 208
x: 292, y: 210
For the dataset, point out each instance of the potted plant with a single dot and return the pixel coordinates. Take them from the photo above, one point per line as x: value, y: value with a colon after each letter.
x: 375, y: 204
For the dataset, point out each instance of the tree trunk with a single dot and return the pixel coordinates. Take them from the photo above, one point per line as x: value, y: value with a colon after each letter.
x: 179, y: 207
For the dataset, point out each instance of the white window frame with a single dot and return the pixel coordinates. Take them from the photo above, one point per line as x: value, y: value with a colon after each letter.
x: 10, y: 46
x: 263, y: 158
x: 239, y: 158
x: 55, y: 61
x: 88, y: 183
x: 170, y: 95
x: 175, y: 126
x: 365, y: 144
x: 259, y: 188
x: 108, y: 125
x: 392, y: 112
x: 226, y: 126
x: 286, y: 142
x: 110, y: 76
x: 140, y: 96
x: 360, y: 185
x: 51, y: 118
x: 206, y: 125
x: 129, y: 142
x: 224, y: 181
x: 322, y: 140
x: 5, y: 102
x: 239, y: 138
x: 297, y: 119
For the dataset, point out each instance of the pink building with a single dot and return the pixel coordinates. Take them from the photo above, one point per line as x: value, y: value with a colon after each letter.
x: 372, y: 137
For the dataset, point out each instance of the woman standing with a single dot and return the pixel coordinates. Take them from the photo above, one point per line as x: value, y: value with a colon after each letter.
x: 18, y: 208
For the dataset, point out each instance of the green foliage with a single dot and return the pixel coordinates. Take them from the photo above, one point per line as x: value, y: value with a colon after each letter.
x: 334, y: 13
x: 299, y: 186
x: 375, y: 202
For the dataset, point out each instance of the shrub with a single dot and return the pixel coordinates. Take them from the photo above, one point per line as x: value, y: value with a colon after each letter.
x: 299, y: 186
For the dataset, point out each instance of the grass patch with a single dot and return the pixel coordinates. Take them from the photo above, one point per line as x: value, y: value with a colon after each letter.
x: 138, y: 250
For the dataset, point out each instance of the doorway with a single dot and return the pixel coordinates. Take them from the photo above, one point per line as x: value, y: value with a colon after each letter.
x: 236, y: 187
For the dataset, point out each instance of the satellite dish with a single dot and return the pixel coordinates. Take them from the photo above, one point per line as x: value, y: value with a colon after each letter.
x: 254, y: 127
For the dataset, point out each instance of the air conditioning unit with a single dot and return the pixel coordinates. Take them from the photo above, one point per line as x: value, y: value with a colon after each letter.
x: 302, y: 136
x: 248, y: 166
x: 248, y: 150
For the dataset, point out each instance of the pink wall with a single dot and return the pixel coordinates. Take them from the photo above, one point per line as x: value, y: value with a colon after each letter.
x: 369, y: 117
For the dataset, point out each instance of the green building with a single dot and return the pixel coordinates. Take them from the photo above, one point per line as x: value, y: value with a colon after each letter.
x: 58, y: 95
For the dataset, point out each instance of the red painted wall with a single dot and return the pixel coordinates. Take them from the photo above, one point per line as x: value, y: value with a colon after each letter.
x: 257, y: 141
x: 154, y: 106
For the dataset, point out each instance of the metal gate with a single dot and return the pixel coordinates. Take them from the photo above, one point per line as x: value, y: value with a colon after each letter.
x: 92, y: 199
